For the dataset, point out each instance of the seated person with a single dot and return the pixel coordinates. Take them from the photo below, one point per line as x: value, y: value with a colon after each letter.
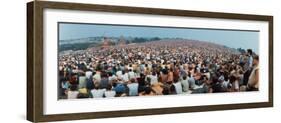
x: 234, y: 84
x: 120, y: 90
x: 104, y: 80
x: 203, y: 87
x: 185, y: 84
x: 89, y: 73
x: 72, y: 92
x: 133, y: 87
x: 97, y: 92
x: 191, y: 82
x: 109, y: 92
x: 153, y: 78
x: 131, y: 74
x: 147, y: 92
x: 82, y: 81
x: 178, y: 86
x: 82, y: 95
x: 157, y: 88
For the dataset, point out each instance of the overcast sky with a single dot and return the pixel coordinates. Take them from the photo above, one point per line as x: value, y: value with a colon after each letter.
x: 230, y: 38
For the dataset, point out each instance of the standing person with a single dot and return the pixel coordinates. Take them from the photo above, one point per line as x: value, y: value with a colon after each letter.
x: 248, y: 66
x: 253, y: 82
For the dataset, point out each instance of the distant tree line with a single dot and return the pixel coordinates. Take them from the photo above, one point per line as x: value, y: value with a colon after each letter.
x: 85, y: 45
x: 76, y: 46
x: 141, y: 39
x: 241, y: 50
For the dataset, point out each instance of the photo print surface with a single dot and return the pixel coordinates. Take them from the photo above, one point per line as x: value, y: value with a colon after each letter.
x: 111, y: 61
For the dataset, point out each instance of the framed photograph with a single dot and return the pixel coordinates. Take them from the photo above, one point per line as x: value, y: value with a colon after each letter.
x: 88, y: 61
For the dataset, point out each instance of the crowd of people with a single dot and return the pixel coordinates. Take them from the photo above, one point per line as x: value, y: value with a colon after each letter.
x: 156, y: 68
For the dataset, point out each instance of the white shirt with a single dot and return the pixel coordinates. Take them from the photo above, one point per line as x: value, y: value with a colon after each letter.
x: 236, y: 85
x: 98, y: 93
x: 191, y: 82
x: 125, y: 77
x: 178, y: 87
x: 97, y: 77
x: 225, y: 84
x: 119, y: 73
x: 133, y: 89
x: 250, y: 61
x: 109, y: 93
x: 72, y: 94
x: 88, y: 74
x: 148, y: 56
x: 82, y: 82
x: 130, y: 68
x: 154, y: 79
x: 185, y: 85
x: 112, y: 77
x: 132, y: 75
